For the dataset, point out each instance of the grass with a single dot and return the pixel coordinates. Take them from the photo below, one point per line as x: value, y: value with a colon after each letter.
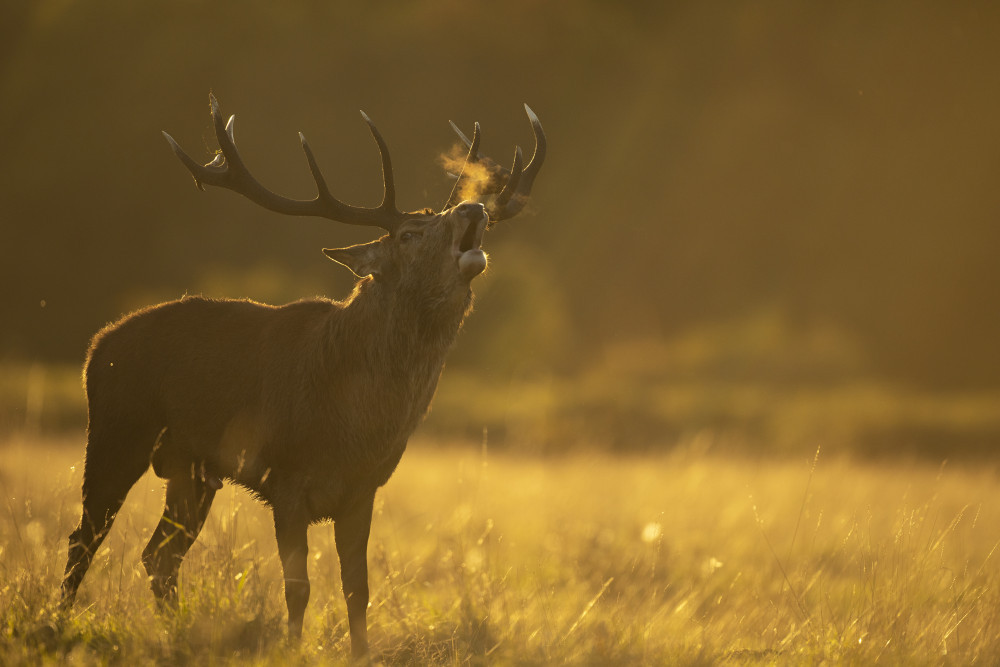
x: 484, y: 558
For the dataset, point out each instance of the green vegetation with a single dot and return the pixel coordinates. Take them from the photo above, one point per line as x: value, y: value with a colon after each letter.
x: 497, y: 558
x: 646, y: 397
x: 861, y: 419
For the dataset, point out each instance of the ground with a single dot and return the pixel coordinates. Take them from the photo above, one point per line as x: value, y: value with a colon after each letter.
x: 482, y: 557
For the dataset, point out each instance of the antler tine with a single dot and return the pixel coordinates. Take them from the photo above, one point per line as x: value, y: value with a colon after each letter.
x: 520, y: 184
x: 510, y: 187
x: 471, y: 158
x: 321, y: 188
x: 388, y: 183
x: 461, y: 135
x: 504, y: 192
x: 227, y: 170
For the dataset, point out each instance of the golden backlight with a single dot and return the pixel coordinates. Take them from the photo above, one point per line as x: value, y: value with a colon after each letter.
x: 765, y: 232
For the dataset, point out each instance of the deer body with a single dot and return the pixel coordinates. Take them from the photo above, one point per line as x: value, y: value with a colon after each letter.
x: 239, y: 387
x: 308, y: 405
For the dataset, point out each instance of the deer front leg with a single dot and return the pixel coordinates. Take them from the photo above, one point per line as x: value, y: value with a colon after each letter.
x: 351, y: 532
x: 293, y: 548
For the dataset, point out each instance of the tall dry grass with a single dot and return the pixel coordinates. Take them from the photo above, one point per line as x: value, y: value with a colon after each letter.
x: 482, y: 558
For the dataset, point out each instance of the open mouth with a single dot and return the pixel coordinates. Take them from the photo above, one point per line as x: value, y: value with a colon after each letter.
x: 471, y: 259
x: 471, y: 238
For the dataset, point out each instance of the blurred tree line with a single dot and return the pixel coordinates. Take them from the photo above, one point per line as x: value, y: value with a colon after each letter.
x: 835, y: 163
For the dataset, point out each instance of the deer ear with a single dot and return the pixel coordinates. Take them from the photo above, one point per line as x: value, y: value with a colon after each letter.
x: 363, y: 259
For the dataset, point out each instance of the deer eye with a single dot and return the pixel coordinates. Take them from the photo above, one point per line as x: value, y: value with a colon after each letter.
x: 406, y: 237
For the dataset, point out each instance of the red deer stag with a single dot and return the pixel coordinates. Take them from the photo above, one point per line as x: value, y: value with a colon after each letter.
x: 307, y: 405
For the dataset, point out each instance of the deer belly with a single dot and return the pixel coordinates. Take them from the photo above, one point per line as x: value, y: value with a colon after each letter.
x: 239, y: 452
x: 172, y: 458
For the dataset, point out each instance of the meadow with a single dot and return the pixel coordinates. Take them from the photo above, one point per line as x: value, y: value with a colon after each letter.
x: 487, y: 557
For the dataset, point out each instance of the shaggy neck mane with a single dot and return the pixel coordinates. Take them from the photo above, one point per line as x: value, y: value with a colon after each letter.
x: 403, y: 330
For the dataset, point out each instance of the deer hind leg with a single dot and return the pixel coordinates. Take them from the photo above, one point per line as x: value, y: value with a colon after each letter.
x: 99, y: 511
x: 108, y: 474
x: 189, y: 498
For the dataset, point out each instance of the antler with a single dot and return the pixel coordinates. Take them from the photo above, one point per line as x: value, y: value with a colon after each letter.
x: 505, y: 192
x: 227, y: 170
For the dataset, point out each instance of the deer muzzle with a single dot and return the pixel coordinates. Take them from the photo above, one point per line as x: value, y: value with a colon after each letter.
x: 471, y: 224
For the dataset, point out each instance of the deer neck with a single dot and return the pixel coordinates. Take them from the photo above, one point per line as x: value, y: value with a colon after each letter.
x: 388, y: 355
x: 399, y: 335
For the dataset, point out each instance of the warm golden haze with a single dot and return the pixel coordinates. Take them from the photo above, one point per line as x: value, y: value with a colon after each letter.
x: 730, y: 394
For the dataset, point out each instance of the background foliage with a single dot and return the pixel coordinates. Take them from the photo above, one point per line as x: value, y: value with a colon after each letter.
x: 828, y: 170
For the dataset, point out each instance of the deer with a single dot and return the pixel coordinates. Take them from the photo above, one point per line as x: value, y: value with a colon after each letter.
x: 309, y: 405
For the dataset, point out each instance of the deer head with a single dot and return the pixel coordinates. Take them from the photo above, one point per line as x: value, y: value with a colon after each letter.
x: 443, y: 245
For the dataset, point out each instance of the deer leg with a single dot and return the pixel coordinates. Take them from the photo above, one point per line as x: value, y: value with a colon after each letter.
x: 291, y: 529
x: 351, y: 533
x: 106, y: 481
x: 99, y: 511
x: 188, y: 501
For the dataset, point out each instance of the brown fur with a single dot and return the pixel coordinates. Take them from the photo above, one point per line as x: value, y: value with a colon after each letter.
x: 308, y: 405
